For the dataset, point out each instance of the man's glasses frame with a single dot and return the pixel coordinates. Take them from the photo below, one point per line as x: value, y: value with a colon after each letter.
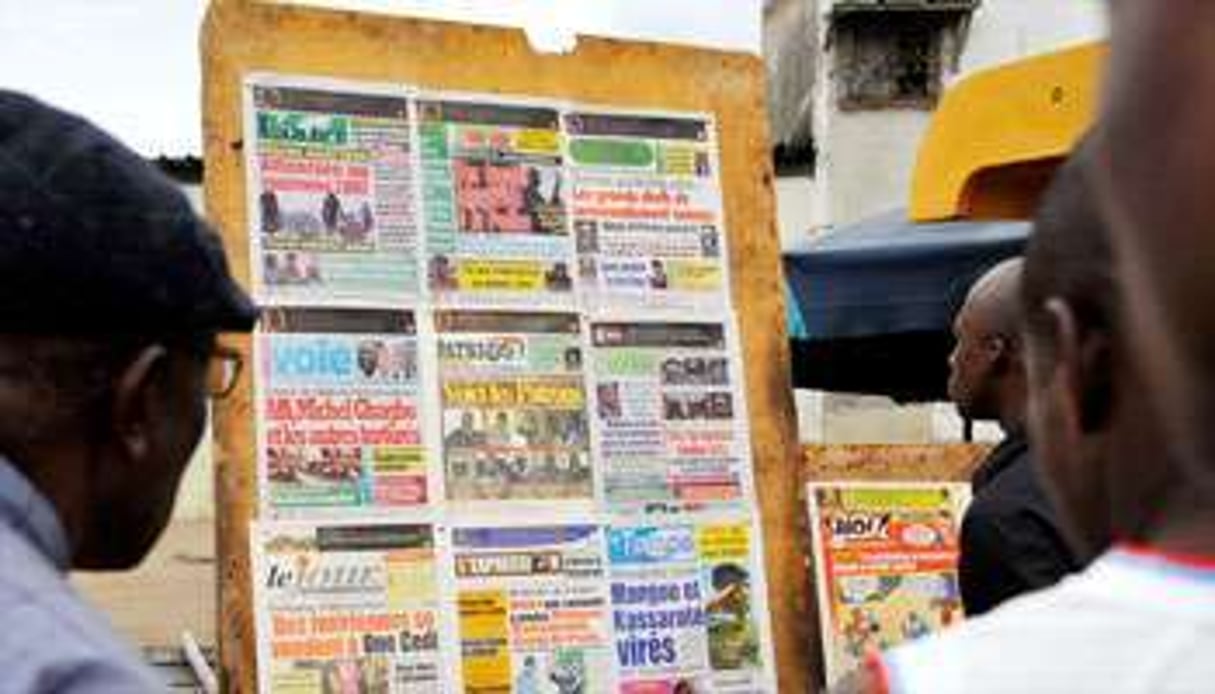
x: 224, y: 367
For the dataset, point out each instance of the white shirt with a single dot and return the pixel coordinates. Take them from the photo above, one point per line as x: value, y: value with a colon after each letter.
x: 1135, y: 622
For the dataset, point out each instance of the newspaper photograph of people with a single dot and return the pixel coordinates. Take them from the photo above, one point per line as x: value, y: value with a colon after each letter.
x: 492, y: 191
x: 671, y: 429
x: 347, y: 608
x: 646, y: 208
x: 332, y: 215
x: 533, y: 609
x: 688, y: 610
x: 337, y: 394
x: 885, y: 558
x: 513, y: 406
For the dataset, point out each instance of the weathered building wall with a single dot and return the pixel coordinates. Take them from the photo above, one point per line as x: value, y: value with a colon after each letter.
x: 864, y: 162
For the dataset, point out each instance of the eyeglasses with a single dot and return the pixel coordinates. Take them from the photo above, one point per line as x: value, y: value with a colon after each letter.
x: 223, y: 371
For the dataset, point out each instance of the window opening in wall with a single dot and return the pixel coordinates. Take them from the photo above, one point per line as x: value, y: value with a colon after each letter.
x: 891, y: 60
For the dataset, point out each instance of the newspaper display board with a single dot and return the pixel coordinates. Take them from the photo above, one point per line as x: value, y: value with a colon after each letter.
x: 671, y: 422
x: 332, y: 215
x: 886, y: 564
x: 348, y: 608
x: 687, y: 608
x: 493, y: 194
x: 338, y: 401
x: 646, y: 209
x: 513, y: 402
x: 437, y: 317
x: 532, y: 609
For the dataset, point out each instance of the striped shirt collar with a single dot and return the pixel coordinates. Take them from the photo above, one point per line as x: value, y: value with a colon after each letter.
x: 1181, y: 565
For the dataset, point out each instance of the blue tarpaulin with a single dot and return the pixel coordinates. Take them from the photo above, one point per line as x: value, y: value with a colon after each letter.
x: 870, y: 305
x: 887, y: 275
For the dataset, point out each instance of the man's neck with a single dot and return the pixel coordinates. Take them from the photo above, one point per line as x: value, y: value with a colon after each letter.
x: 1010, y: 410
x: 1012, y: 423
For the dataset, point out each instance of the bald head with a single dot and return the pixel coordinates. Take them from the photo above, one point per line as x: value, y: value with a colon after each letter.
x: 995, y: 299
x: 986, y: 378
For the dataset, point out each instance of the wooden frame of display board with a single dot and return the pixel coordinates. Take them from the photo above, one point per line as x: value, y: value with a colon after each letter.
x: 243, y: 36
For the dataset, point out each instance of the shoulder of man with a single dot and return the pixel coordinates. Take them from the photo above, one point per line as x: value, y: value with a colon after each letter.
x: 1016, y: 505
x: 1010, y: 543
x: 1013, y: 512
x: 1020, y: 647
x: 1086, y: 634
x: 53, y: 641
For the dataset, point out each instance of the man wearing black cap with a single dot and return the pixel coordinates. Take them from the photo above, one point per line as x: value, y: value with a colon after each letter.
x: 112, y: 292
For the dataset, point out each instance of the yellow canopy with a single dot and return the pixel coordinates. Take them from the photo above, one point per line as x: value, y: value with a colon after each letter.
x: 998, y: 135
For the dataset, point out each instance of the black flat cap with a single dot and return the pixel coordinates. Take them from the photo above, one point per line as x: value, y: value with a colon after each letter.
x: 95, y: 240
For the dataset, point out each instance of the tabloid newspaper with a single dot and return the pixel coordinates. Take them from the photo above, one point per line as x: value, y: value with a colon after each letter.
x: 492, y: 182
x: 885, y: 560
x: 646, y: 208
x: 332, y: 215
x: 513, y: 405
x: 533, y: 609
x: 338, y: 397
x: 347, y: 608
x: 502, y: 443
x: 670, y: 421
x: 688, y: 608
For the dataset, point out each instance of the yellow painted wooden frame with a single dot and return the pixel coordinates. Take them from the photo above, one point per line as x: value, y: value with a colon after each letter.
x: 243, y: 36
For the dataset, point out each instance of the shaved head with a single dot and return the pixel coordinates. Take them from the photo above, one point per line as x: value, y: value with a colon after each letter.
x: 996, y: 298
x: 986, y: 379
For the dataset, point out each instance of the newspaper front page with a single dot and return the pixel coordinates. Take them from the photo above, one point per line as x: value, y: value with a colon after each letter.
x: 338, y: 395
x: 513, y: 404
x: 688, y: 607
x: 347, y: 608
x: 493, y: 194
x: 533, y: 609
x: 332, y: 215
x: 670, y: 420
x: 885, y: 560
x: 646, y: 209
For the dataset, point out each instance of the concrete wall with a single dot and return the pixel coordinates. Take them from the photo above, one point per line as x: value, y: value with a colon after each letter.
x: 867, y: 161
x: 1004, y: 30
x: 868, y: 156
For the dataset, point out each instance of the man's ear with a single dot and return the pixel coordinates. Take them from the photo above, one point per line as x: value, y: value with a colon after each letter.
x: 1002, y: 353
x: 136, y: 401
x: 1067, y: 372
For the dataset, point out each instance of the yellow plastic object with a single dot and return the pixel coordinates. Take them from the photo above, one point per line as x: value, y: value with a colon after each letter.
x: 998, y: 135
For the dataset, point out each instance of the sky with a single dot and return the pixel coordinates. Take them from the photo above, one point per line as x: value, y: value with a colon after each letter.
x: 132, y: 66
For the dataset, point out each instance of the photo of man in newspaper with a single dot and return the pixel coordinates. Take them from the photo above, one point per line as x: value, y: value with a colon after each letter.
x: 292, y: 220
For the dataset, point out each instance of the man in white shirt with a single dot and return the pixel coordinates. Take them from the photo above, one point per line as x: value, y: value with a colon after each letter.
x: 1142, y: 617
